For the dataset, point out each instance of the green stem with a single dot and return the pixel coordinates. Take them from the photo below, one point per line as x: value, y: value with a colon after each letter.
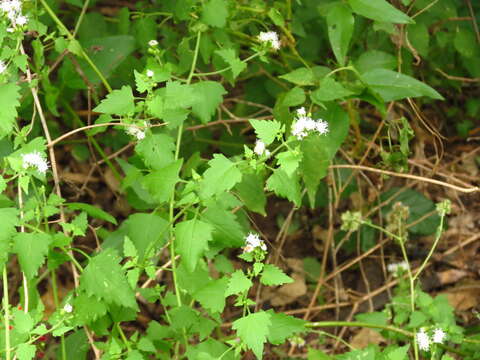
x: 122, y: 335
x: 6, y: 309
x: 228, y: 67
x: 56, y: 302
x: 80, y: 18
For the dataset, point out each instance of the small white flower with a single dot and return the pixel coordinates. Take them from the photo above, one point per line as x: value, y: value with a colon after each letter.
x: 271, y: 38
x: 252, y: 242
x: 153, y: 43
x: 395, y: 267
x: 423, y: 340
x: 10, y: 29
x: 304, y: 124
x: 438, y: 336
x: 321, y: 127
x: 150, y: 73
x: 136, y: 132
x: 301, y: 112
x: 68, y: 308
x: 260, y: 147
x: 34, y: 159
x: 3, y: 67
x: 21, y: 20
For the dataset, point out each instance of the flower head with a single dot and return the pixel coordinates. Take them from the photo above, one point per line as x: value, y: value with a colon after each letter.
x: 438, y: 336
x: 34, y: 159
x: 136, y: 132
x: 396, y: 267
x: 150, y: 73
x: 423, y: 340
x: 260, y: 148
x: 68, y: 308
x: 253, y: 241
x: 153, y: 43
x: 21, y: 20
x: 270, y: 38
x: 304, y: 124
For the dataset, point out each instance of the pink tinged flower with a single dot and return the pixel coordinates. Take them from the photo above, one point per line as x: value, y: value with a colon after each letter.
x: 438, y: 336
x: 423, y: 340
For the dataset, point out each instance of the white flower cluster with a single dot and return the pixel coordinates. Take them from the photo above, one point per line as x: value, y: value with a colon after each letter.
x: 3, y: 67
x: 424, y: 340
x: 304, y: 124
x: 136, y: 132
x: 270, y: 38
x: 396, y: 267
x: 153, y: 43
x: 260, y: 148
x: 13, y: 11
x: 150, y: 73
x: 34, y: 159
x: 68, y: 308
x: 253, y: 241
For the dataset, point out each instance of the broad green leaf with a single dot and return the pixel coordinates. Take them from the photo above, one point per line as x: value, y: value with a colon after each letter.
x: 250, y: 191
x: 105, y: 279
x: 210, y: 95
x: 398, y: 353
x: 379, y: 10
x: 31, y: 250
x: 266, y: 130
x: 213, y: 348
x: 191, y: 241
x: 215, y: 13
x: 77, y: 226
x: 373, y: 59
x: 314, y: 354
x: 9, y: 218
x: 273, y: 276
x: 221, y: 176
x: 157, y: 150
x: 285, y: 186
x: 9, y: 101
x: 179, y: 96
x: 231, y: 58
x: 161, y: 183
x: 118, y: 102
x: 329, y: 90
x: 25, y: 351
x: 289, y: 161
x: 22, y: 322
x: 392, y: 85
x: 465, y: 42
x: 419, y: 38
x: 283, y: 327
x: 301, y: 77
x: 183, y: 317
x: 294, y: 97
x: 340, y: 22
x: 253, y: 330
x: 212, y: 296
x: 227, y: 230
x: 88, y: 308
x: 276, y: 17
x: 238, y: 283
x: 93, y: 211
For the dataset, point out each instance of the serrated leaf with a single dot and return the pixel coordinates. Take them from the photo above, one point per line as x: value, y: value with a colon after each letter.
x: 88, y: 308
x: 179, y: 96
x: 293, y: 97
x: 266, y: 130
x: 93, y: 211
x: 250, y: 191
x: 25, y: 351
x: 238, y: 283
x: 273, y: 276
x: 379, y: 10
x: 340, y: 22
x: 283, y: 326
x: 285, y: 186
x: 191, y: 241
x: 31, y: 250
x: 212, y: 296
x: 118, y: 102
x: 289, y: 161
x: 210, y: 94
x: 157, y: 150
x: 253, y: 330
x: 215, y: 13
x: 77, y: 226
x: 9, y: 218
x: 23, y: 322
x: 399, y: 353
x: 221, y: 176
x: 231, y: 58
x: 329, y: 90
x: 105, y: 279
x: 9, y: 101
x: 392, y: 85
x: 302, y: 76
x: 161, y: 183
x: 227, y: 230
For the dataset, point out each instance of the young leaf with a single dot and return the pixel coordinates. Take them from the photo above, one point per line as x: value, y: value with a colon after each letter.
x: 231, y: 58
x: 329, y: 90
x: 379, y: 10
x: 93, y: 211
x: 161, y: 183
x: 157, y: 150
x: 212, y: 296
x: 191, y: 240
x: 301, y: 76
x: 392, y: 85
x: 340, y: 23
x: 283, y: 327
x: 118, y: 102
x: 179, y: 96
x: 253, y: 330
x: 289, y: 161
x: 293, y: 97
x: 273, y: 276
x: 25, y: 351
x: 238, y: 283
x: 210, y: 95
x: 215, y: 13
x: 9, y: 96
x: 285, y: 186
x: 266, y: 130
x: 105, y: 279
x: 31, y: 250
x: 221, y: 176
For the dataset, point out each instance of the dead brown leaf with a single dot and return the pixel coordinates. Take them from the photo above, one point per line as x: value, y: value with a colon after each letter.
x: 366, y: 337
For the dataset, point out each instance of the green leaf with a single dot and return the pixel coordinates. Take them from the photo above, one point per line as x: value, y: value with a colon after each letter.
x: 285, y: 186
x: 26, y: 351
x: 302, y: 76
x: 77, y: 226
x: 419, y: 38
x: 398, y: 353
x: 266, y: 130
x: 212, y: 296
x: 157, y: 150
x: 31, y: 250
x: 118, y: 102
x: 23, y: 322
x: 283, y: 326
x: 373, y: 59
x: 220, y: 177
x: 215, y: 13
x: 289, y: 161
x: 210, y: 95
x: 250, y: 191
x: 376, y: 318
x: 379, y: 10
x: 329, y: 90
x: 227, y: 230
x: 191, y: 240
x: 273, y: 276
x: 9, y: 101
x: 93, y: 211
x: 464, y: 43
x: 179, y: 96
x: 238, y: 283
x: 161, y: 183
x: 392, y: 85
x: 294, y: 97
x: 340, y: 24
x: 314, y: 354
x: 231, y: 58
x: 9, y: 218
x: 105, y: 279
x: 253, y: 330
